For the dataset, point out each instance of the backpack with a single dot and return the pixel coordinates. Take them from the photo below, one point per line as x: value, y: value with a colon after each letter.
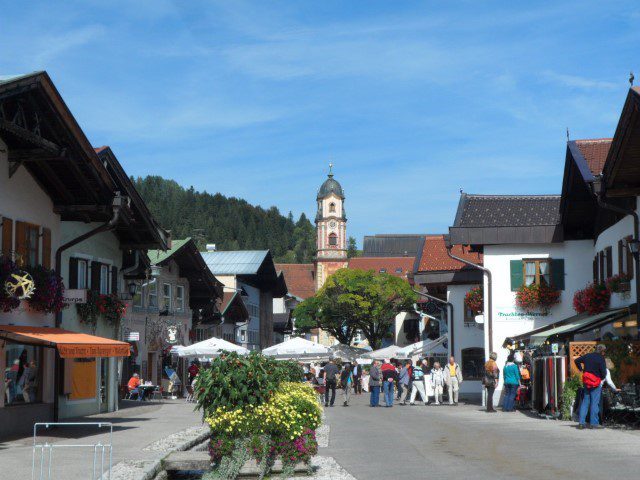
x: 590, y: 380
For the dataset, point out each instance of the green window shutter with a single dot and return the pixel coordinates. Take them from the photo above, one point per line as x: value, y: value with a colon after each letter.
x: 516, y: 275
x: 557, y: 273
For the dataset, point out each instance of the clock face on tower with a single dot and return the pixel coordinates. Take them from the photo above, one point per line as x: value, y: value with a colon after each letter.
x: 332, y: 224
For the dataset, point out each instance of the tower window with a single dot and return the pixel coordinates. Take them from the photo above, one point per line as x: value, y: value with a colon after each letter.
x: 333, y: 239
x: 332, y: 207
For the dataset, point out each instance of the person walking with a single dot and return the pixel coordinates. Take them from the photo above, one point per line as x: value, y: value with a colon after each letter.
x: 428, y: 386
x: 375, y: 376
x: 357, y: 379
x: 511, y: 375
x: 330, y: 382
x: 453, y: 379
x: 490, y: 379
x: 437, y: 381
x: 346, y: 380
x: 594, y: 371
x: 28, y: 382
x: 405, y: 381
x: 417, y: 384
x: 389, y: 376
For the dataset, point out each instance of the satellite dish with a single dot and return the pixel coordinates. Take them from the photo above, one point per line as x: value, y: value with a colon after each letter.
x: 479, y: 319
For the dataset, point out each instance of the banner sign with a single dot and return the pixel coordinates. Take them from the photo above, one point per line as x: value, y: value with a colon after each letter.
x: 75, y: 296
x: 132, y: 337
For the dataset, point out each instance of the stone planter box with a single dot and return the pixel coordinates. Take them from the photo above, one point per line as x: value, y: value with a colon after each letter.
x: 194, y: 461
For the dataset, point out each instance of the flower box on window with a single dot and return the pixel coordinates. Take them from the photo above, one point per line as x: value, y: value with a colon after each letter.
x: 474, y: 300
x: 593, y: 299
x: 619, y: 283
x: 529, y: 297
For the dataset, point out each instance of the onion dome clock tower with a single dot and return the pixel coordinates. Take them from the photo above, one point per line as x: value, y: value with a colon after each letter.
x: 331, y: 229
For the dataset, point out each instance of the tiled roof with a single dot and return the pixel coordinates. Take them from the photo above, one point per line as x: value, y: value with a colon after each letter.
x: 300, y: 278
x: 227, y: 298
x: 241, y: 262
x: 477, y: 211
x: 392, y: 245
x: 398, y: 266
x: 13, y: 78
x: 595, y: 152
x: 434, y: 256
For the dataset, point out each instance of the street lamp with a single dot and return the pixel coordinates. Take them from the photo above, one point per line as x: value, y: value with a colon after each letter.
x: 156, y: 270
x: 132, y: 288
x: 597, y: 185
x: 634, y: 246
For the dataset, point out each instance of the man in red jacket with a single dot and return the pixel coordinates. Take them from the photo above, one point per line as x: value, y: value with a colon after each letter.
x: 594, y: 370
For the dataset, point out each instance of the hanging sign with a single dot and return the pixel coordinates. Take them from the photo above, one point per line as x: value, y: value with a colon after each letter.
x: 132, y: 337
x: 75, y: 295
x: 554, y: 348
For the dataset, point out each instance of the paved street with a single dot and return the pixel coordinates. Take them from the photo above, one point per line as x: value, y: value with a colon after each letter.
x: 463, y: 442
x: 135, y: 431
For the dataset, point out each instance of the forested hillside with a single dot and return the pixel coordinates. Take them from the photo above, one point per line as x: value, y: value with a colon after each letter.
x: 230, y: 223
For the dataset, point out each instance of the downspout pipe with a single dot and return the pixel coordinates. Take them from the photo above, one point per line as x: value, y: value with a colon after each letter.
x: 487, y: 272
x: 110, y: 225
x: 598, y: 185
x: 449, y: 315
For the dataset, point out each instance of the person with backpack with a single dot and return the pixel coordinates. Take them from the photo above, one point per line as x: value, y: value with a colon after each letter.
x: 374, y: 383
x: 330, y: 382
x: 417, y: 384
x: 490, y: 380
x: 346, y: 381
x: 594, y: 370
x: 389, y: 376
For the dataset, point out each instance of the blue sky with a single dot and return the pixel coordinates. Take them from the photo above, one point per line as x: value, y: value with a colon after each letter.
x: 410, y: 100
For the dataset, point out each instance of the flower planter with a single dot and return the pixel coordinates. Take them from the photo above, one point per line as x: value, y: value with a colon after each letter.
x: 624, y: 287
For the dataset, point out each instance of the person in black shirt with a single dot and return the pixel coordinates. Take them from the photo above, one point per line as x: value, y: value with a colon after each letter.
x: 594, y: 371
x: 330, y: 382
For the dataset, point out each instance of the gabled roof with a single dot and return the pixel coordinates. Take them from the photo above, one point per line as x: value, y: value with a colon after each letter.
x: 506, y: 219
x: 397, y: 266
x: 300, y: 278
x: 594, y: 151
x: 392, y: 245
x: 204, y: 287
x: 43, y: 136
x: 240, y: 262
x: 233, y: 308
x: 434, y: 258
x: 140, y: 226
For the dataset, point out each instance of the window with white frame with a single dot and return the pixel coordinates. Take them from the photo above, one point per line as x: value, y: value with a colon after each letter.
x: 166, y: 296
x: 137, y: 297
x: 105, y: 284
x: 179, y: 298
x: 153, y: 293
x: 83, y: 273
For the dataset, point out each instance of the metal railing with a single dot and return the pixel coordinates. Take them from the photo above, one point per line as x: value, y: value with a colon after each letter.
x: 46, y: 457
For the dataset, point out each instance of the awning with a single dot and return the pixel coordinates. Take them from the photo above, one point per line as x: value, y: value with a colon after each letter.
x: 423, y: 347
x: 69, y: 344
x: 570, y: 326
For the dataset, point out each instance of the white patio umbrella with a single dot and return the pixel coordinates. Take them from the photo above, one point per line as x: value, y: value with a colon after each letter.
x: 298, y: 349
x: 422, y: 347
x: 384, y: 353
x: 210, y: 348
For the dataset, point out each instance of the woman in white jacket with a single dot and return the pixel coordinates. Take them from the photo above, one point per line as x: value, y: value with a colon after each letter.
x: 437, y: 381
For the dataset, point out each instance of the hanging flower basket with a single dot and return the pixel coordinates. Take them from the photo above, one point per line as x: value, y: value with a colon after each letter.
x: 109, y: 307
x: 533, y: 296
x: 8, y: 301
x: 474, y: 300
x: 619, y: 283
x: 49, y: 292
x: 592, y: 299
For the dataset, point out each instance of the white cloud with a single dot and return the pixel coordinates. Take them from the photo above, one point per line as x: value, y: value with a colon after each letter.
x: 576, y: 81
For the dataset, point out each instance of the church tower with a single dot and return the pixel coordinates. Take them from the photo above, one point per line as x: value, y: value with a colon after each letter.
x: 331, y: 229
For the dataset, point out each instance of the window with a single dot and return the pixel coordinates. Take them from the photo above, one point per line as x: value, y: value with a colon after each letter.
x: 398, y: 270
x: 179, y: 298
x: 332, y: 207
x: 243, y: 336
x: 83, y: 274
x: 333, y: 239
x: 32, y: 237
x: 608, y: 253
x: 104, y: 280
x: 22, y: 375
x: 469, y: 316
x: 472, y: 363
x: 383, y: 270
x: 537, y: 271
x: 137, y: 297
x: 166, y: 296
x: 153, y: 294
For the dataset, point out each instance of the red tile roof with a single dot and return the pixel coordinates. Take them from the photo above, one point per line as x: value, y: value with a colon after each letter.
x: 100, y: 149
x: 300, y: 278
x: 595, y: 152
x: 434, y: 256
x: 398, y: 266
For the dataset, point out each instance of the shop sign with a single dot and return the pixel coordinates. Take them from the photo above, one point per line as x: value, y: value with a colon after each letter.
x: 76, y: 295
x: 554, y: 348
x: 523, y: 314
x: 132, y: 337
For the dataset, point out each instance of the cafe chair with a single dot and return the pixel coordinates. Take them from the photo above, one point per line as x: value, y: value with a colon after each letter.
x: 156, y: 394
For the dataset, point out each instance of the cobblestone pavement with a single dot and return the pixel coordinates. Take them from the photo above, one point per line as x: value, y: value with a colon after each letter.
x: 463, y: 442
x: 141, y: 435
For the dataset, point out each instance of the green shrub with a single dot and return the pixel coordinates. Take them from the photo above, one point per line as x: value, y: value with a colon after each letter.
x: 289, y: 371
x: 571, y: 387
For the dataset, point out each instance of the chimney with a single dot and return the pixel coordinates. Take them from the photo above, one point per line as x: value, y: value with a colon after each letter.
x: 211, y: 247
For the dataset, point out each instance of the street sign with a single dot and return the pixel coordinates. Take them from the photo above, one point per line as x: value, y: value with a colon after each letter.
x: 75, y: 296
x: 554, y: 348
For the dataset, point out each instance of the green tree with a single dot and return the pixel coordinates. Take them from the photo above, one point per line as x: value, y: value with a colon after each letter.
x: 352, y: 248
x: 353, y: 300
